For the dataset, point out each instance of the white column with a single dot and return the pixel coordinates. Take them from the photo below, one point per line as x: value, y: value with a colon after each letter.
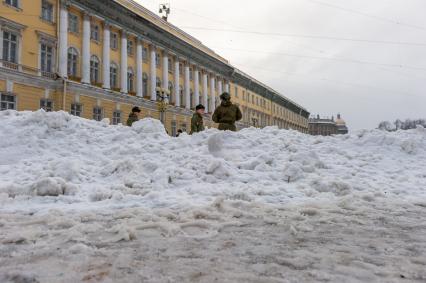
x: 85, y: 57
x: 165, y: 70
x: 139, y: 69
x: 220, y: 86
x: 63, y: 41
x: 153, y: 74
x: 196, y: 86
x: 177, y: 82
x: 205, y: 92
x: 123, y: 73
x: 187, y: 88
x: 212, y: 93
x: 106, y: 57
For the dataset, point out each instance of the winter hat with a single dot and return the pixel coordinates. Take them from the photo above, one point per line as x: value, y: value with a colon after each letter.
x: 225, y: 96
x: 136, y: 109
x: 200, y: 106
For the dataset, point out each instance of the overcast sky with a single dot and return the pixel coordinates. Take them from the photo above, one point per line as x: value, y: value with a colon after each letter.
x: 366, y: 82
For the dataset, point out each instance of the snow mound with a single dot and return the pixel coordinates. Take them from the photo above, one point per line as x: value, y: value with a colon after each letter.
x: 88, y: 164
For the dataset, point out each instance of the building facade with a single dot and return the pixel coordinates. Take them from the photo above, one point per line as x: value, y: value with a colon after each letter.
x: 326, y: 127
x: 97, y: 59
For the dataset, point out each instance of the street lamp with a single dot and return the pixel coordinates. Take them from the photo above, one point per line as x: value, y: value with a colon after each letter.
x: 163, y: 102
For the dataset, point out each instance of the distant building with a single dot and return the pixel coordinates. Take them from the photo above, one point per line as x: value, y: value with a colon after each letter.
x: 326, y: 127
x: 342, y: 129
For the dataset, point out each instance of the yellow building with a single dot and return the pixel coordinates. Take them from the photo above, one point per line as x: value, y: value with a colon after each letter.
x: 97, y: 59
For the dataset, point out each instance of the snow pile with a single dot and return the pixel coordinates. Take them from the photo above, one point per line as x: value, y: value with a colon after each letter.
x: 83, y: 191
x: 54, y: 154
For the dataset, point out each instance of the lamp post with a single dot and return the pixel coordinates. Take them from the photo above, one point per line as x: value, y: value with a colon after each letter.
x: 163, y: 102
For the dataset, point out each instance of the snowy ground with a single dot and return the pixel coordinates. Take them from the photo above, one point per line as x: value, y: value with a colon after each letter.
x: 82, y: 201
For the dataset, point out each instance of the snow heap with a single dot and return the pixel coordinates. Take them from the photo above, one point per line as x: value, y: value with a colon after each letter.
x: 57, y: 160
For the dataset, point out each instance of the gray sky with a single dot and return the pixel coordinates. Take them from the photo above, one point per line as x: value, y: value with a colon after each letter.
x: 390, y: 86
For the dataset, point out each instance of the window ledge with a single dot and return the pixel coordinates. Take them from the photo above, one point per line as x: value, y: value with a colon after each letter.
x: 49, y: 22
x: 98, y: 42
x: 76, y: 33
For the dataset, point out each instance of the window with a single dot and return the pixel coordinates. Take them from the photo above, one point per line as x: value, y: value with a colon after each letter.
x: 158, y: 82
x: 157, y: 59
x: 129, y: 47
x: 46, y: 11
x: 171, y: 92
x: 252, y: 99
x: 73, y: 23
x: 145, y: 84
x: 7, y: 101
x: 130, y: 79
x: 170, y: 66
x: 72, y: 62
x: 76, y: 109
x: 46, y: 104
x: 180, y: 69
x: 173, y: 126
x: 10, y: 47
x: 257, y: 100
x: 116, y: 117
x: 114, y: 40
x: 191, y: 99
x: 46, y: 58
x: 244, y: 95
x: 14, y: 3
x: 144, y: 54
x: 94, y: 32
x: 97, y: 113
x: 236, y: 91
x: 182, y: 102
x: 191, y: 74
x: 113, y: 75
x: 94, y: 69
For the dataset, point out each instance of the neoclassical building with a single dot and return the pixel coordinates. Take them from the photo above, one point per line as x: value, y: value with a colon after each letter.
x: 97, y: 59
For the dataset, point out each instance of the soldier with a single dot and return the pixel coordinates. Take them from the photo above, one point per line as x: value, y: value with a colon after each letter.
x: 133, y: 117
x: 227, y: 114
x: 197, y: 124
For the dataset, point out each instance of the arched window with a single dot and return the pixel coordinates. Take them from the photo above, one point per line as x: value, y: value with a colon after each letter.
x: 113, y: 75
x: 130, y: 80
x: 94, y: 69
x: 145, y: 84
x: 72, y: 62
x: 171, y: 92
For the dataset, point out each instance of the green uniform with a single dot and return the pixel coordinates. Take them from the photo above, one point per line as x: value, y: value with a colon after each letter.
x: 226, y: 115
x: 197, y: 124
x: 132, y: 118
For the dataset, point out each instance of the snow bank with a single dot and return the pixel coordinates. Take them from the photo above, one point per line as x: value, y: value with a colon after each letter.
x: 85, y: 162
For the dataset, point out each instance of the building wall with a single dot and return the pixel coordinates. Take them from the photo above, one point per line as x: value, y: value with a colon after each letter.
x: 34, y: 86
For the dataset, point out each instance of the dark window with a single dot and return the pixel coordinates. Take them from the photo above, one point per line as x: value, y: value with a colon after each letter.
x: 7, y: 101
x: 10, y: 47
x: 129, y: 47
x: 76, y: 109
x: 46, y: 58
x: 116, y: 117
x: 145, y: 84
x: 94, y: 69
x: 72, y: 62
x: 97, y: 113
x: 114, y: 40
x: 113, y: 75
x: 145, y: 54
x: 46, y: 104
x: 94, y: 32
x: 47, y: 11
x: 14, y: 3
x: 157, y: 59
x: 72, y: 23
x: 130, y: 80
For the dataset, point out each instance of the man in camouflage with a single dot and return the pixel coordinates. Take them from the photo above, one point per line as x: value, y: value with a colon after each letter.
x: 197, y: 124
x: 133, y: 117
x: 227, y: 114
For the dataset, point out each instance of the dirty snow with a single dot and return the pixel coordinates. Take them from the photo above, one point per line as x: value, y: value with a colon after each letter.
x: 82, y: 201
